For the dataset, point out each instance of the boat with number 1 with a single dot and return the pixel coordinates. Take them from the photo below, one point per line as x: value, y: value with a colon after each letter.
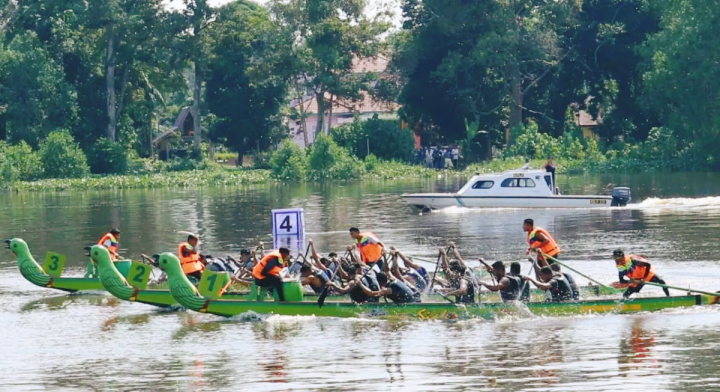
x: 190, y: 297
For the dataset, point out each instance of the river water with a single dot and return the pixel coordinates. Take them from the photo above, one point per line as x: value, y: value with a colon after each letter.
x: 51, y: 341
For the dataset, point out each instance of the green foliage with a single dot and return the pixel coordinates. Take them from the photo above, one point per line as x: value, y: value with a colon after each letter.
x: 22, y: 162
x: 371, y: 162
x: 683, y: 81
x: 62, y: 157
x: 226, y: 156
x: 289, y: 162
x: 185, y: 179
x: 106, y: 157
x: 387, y: 141
x: 322, y: 38
x: 34, y: 97
x: 246, y: 87
x: 532, y: 144
x: 327, y: 160
x: 351, y: 136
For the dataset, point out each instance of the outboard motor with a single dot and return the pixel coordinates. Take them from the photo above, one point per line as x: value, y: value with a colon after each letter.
x: 620, y: 197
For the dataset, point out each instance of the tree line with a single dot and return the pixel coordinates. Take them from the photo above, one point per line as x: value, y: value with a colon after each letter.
x: 116, y: 69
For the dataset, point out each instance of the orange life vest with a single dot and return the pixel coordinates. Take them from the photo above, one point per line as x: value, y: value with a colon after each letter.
x: 369, y: 252
x: 190, y: 263
x: 638, y: 272
x: 113, y: 248
x: 550, y: 249
x: 257, y: 271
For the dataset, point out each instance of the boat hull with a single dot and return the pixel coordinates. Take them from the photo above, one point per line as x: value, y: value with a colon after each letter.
x: 436, y: 201
x: 450, y: 311
x: 72, y: 285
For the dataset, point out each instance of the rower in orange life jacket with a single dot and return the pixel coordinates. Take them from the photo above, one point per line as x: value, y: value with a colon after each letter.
x: 635, y: 268
x: 267, y: 271
x: 190, y: 260
x: 539, y: 239
x: 370, y: 247
x: 111, y: 241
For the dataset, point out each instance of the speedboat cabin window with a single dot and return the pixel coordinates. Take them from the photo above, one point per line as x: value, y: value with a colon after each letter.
x: 483, y: 184
x: 518, y: 183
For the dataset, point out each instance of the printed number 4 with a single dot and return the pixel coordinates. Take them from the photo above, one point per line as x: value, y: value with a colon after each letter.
x: 286, y: 224
x: 139, y: 275
x: 54, y: 262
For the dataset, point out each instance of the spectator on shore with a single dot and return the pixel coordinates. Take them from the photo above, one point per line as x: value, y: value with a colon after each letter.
x: 455, y: 155
x: 420, y: 157
x: 447, y: 159
x: 438, y: 159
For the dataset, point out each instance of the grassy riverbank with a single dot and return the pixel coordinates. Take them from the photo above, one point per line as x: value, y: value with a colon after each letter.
x: 220, y: 176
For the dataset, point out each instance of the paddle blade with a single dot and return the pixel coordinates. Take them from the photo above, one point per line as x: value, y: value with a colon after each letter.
x: 323, y: 295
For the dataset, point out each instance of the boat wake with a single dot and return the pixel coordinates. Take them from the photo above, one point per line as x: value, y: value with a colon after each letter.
x: 652, y: 203
x: 710, y: 202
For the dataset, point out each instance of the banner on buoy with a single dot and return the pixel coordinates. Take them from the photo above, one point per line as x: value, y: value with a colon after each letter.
x: 288, y: 228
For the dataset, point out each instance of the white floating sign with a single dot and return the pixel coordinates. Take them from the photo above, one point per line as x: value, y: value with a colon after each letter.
x: 288, y: 228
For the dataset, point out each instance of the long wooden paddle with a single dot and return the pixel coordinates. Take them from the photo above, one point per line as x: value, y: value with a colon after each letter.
x: 575, y: 271
x: 689, y: 290
x: 490, y: 269
x: 324, y: 294
x: 326, y: 289
x: 437, y: 265
x: 446, y: 297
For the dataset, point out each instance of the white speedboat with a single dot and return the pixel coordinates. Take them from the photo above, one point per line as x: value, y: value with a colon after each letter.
x: 520, y: 188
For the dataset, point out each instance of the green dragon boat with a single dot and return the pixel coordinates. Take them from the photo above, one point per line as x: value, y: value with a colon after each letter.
x: 211, y: 283
x: 49, y: 275
x: 190, y: 297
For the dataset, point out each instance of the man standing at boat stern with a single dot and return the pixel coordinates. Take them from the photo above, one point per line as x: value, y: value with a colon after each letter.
x: 267, y: 271
x: 635, y: 268
x: 370, y: 247
x: 540, y: 240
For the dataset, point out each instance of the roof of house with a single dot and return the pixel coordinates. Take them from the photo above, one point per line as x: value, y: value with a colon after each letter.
x: 585, y: 119
x: 366, y: 104
x: 180, y: 119
x: 370, y: 64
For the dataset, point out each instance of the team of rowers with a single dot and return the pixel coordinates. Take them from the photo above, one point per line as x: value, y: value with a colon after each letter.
x: 369, y: 270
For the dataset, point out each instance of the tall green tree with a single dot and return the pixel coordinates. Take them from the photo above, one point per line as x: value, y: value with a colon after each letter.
x: 479, y: 62
x: 195, y: 46
x: 326, y: 36
x: 34, y: 97
x: 683, y: 83
x: 247, y: 78
x: 133, y: 30
x: 605, y: 64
